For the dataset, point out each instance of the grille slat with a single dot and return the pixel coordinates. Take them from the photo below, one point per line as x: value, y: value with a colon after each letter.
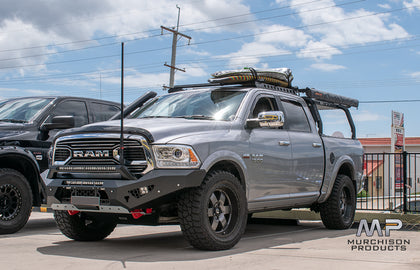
x: 62, y: 154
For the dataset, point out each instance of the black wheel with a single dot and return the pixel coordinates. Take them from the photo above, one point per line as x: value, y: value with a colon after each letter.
x: 339, y: 209
x: 214, y: 215
x: 15, y: 201
x: 82, y: 227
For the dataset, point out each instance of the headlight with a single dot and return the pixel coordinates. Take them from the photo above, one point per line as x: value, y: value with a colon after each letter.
x: 175, y: 156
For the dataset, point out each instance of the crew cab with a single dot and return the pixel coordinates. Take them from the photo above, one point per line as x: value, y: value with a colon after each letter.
x: 207, y: 156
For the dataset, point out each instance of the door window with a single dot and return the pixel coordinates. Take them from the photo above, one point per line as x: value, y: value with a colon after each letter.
x: 295, y: 119
x: 71, y: 108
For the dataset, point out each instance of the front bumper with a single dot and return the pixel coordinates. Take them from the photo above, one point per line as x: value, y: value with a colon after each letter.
x: 118, y: 196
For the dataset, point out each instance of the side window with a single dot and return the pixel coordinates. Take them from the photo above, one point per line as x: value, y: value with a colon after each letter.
x: 102, y: 112
x: 71, y: 108
x: 295, y: 117
x: 264, y: 104
x: 334, y: 122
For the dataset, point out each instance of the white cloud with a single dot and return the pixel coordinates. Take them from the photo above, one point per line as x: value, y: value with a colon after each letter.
x: 284, y: 35
x: 318, y: 50
x: 250, y: 54
x: 412, y: 5
x: 136, y: 79
x: 24, y: 92
x: 384, y: 6
x: 415, y: 75
x: 367, y: 116
x: 327, y: 67
x: 55, y: 22
x: 338, y: 27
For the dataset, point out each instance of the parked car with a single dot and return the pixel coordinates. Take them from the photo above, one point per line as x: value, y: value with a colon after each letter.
x: 27, y: 126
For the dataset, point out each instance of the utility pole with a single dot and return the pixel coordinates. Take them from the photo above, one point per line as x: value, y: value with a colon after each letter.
x: 175, y: 34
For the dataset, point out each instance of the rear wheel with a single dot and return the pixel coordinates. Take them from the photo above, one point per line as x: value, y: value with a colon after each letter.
x: 339, y: 209
x: 15, y: 201
x: 214, y: 215
x: 82, y: 227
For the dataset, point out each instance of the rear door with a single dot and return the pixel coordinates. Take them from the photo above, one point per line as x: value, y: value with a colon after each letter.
x: 307, y: 150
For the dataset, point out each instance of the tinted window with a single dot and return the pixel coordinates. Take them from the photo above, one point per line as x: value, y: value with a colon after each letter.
x: 102, y: 112
x: 71, y: 108
x: 295, y: 117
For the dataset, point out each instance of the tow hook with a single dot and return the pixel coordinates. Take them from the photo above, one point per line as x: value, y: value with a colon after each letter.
x: 138, y: 213
x: 73, y: 212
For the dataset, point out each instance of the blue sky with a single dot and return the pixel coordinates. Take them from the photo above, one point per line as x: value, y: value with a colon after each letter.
x: 369, y: 50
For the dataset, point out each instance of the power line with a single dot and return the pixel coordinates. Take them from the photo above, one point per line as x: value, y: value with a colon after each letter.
x: 390, y: 101
x: 277, y: 16
x: 151, y: 30
x: 216, y: 40
x: 222, y: 58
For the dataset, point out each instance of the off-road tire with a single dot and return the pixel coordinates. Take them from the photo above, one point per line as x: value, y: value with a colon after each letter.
x: 82, y: 227
x: 337, y: 212
x: 214, y: 215
x: 15, y: 201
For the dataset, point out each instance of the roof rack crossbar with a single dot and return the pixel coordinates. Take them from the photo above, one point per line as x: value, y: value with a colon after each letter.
x: 276, y: 87
x: 177, y: 88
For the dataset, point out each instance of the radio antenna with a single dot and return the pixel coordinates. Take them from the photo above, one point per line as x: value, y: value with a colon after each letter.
x: 122, y: 107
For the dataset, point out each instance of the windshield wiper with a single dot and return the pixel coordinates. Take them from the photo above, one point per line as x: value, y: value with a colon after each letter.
x: 13, y: 120
x: 155, y: 116
x: 197, y: 116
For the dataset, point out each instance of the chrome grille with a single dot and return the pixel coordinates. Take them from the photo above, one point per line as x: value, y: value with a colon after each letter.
x: 100, y: 152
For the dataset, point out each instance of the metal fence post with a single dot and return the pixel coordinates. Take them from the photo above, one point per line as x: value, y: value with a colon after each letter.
x: 405, y: 184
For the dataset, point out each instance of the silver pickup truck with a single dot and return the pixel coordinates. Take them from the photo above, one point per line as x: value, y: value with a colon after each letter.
x: 207, y: 156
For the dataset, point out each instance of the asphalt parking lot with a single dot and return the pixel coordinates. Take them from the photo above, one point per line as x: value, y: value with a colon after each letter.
x: 267, y: 244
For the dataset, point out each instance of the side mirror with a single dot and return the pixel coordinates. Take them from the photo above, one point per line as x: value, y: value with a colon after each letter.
x: 270, y: 119
x: 59, y: 122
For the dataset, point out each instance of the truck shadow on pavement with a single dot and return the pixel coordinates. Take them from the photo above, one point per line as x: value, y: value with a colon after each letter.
x: 171, y: 246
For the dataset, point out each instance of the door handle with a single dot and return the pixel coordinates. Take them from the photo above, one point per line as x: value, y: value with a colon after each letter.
x: 316, y: 145
x: 284, y: 143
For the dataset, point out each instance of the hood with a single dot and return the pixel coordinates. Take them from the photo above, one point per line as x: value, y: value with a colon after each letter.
x: 155, y: 129
x: 13, y: 131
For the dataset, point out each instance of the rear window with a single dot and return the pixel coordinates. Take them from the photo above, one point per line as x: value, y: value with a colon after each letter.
x: 102, y: 112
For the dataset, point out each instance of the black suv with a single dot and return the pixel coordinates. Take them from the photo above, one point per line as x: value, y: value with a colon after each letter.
x: 27, y: 126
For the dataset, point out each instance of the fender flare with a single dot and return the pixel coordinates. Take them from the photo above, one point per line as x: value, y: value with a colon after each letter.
x: 32, y: 174
x: 228, y: 156
x: 328, y: 185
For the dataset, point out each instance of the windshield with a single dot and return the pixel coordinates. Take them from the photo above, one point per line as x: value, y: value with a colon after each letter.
x: 22, y: 110
x: 212, y: 105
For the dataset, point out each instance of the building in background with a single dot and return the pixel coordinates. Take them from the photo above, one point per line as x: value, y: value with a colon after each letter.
x: 383, y: 145
x: 378, y: 167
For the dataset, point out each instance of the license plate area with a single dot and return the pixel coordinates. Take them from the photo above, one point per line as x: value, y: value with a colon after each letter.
x: 85, y: 201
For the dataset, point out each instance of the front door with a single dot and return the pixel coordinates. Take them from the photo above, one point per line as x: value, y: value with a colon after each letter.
x: 269, y: 159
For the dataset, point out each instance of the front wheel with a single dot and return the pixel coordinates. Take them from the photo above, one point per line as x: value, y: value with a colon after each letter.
x: 15, y: 201
x: 339, y: 209
x: 214, y: 215
x: 82, y: 227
